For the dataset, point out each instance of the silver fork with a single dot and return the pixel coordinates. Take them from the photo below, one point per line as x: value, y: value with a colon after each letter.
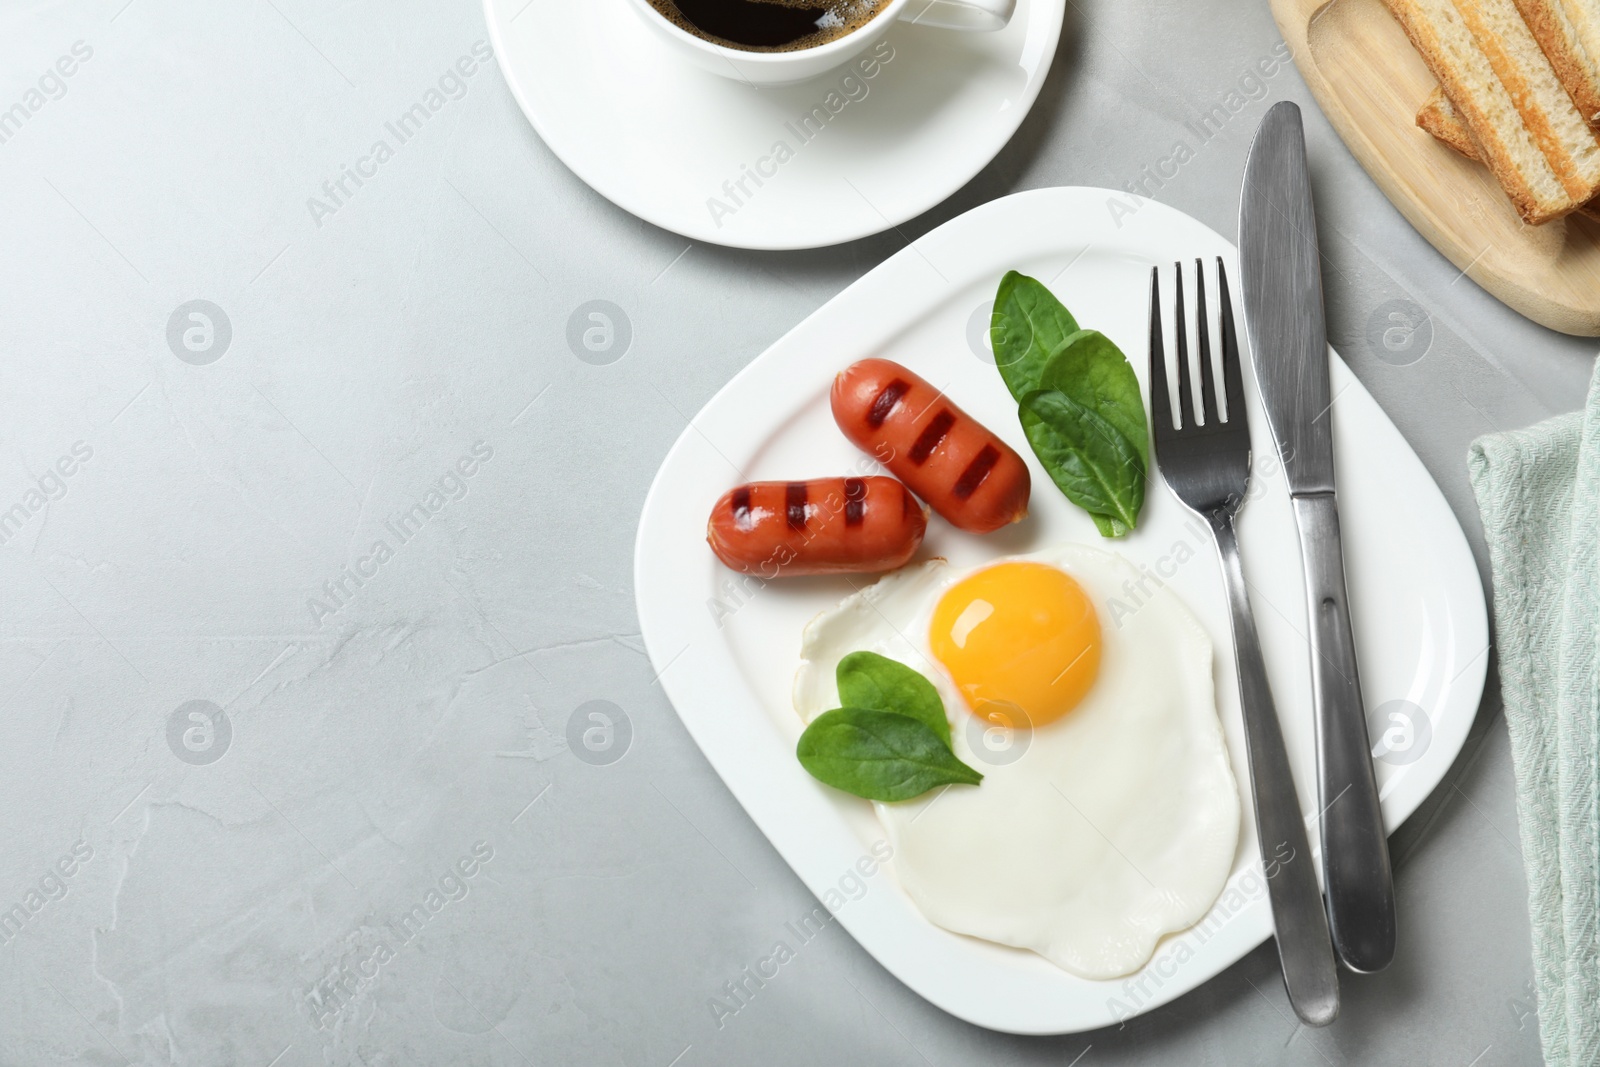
x: 1206, y: 464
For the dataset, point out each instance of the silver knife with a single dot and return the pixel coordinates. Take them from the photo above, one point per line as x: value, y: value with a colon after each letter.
x: 1281, y: 278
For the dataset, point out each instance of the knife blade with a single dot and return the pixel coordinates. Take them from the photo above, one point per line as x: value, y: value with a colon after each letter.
x: 1281, y: 281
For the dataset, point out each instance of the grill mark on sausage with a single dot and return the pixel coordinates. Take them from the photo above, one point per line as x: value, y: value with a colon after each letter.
x: 794, y: 501
x: 931, y: 435
x: 740, y: 505
x: 855, y: 497
x: 976, y: 472
x: 885, y: 401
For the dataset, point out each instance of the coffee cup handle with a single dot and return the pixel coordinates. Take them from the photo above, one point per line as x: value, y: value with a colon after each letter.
x: 982, y: 15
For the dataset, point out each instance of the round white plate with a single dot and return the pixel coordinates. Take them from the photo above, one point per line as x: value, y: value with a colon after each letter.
x: 726, y: 649
x: 672, y: 143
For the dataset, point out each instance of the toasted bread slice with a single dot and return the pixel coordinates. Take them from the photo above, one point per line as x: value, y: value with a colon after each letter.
x: 1569, y: 33
x: 1439, y: 117
x: 1526, y: 128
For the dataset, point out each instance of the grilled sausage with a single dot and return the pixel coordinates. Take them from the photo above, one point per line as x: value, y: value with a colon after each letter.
x: 824, y: 526
x: 948, y: 458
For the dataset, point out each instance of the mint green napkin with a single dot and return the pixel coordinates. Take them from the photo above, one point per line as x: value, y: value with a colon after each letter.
x: 1539, y: 492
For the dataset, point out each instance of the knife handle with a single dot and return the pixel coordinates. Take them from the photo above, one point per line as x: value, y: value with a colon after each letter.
x: 1355, y: 849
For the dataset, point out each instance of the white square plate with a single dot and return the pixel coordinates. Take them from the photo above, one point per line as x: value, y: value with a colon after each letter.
x: 726, y: 648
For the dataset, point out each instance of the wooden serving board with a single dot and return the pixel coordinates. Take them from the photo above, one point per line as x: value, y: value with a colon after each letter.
x: 1370, y: 83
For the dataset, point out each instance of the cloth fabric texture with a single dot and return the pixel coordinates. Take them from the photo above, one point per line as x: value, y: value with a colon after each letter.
x: 1539, y: 493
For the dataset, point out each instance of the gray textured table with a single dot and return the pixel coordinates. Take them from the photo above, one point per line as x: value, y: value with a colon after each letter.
x: 371, y: 841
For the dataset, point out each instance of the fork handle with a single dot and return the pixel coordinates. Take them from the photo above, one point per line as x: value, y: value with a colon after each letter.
x: 1304, y: 950
x: 1355, y: 849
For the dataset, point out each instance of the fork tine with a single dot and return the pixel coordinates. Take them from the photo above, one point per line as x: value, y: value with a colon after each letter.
x: 1160, y: 398
x: 1232, y: 378
x: 1208, y: 386
x: 1186, y: 418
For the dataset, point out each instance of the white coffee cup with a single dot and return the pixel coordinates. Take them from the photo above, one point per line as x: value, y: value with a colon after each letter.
x: 802, y: 64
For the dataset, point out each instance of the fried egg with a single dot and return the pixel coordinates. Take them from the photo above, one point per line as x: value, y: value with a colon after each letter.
x: 1108, y: 815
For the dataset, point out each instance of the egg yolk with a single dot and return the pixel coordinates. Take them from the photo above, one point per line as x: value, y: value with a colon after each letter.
x: 1018, y: 635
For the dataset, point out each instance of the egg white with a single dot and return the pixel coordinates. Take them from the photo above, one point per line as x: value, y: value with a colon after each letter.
x: 1089, y: 838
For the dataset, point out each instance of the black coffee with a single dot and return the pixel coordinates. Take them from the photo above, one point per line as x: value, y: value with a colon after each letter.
x: 770, y: 25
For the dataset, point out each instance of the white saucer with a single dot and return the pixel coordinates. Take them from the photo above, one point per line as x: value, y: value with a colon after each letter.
x: 660, y: 138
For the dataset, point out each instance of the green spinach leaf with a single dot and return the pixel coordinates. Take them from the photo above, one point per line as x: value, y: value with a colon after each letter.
x: 1028, y: 325
x: 868, y: 680
x: 1110, y: 527
x: 1079, y: 401
x: 879, y: 755
x: 1086, y: 456
x: 1092, y: 370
